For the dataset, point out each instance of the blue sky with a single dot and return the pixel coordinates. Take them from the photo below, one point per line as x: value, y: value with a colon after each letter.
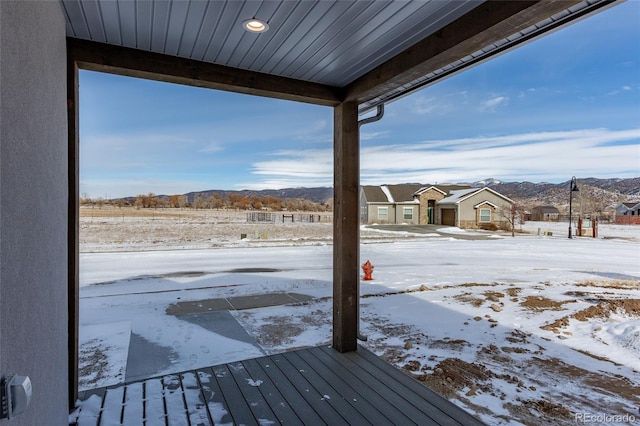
x: 567, y: 104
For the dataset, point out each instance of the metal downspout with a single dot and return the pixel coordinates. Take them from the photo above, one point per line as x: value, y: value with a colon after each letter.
x: 377, y: 117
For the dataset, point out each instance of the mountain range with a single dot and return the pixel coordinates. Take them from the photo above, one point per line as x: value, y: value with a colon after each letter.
x: 605, y: 192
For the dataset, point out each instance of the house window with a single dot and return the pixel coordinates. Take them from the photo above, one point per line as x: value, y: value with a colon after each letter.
x: 407, y: 213
x: 485, y: 215
x: 383, y: 213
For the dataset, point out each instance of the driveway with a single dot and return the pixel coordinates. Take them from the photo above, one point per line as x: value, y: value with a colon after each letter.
x: 441, y: 230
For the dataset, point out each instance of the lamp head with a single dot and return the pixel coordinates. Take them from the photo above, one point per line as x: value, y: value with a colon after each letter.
x: 574, y: 185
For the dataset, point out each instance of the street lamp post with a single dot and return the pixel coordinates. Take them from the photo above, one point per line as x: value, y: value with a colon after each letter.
x: 573, y: 187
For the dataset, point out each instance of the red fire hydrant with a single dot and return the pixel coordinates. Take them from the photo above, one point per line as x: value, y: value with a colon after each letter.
x: 367, y: 268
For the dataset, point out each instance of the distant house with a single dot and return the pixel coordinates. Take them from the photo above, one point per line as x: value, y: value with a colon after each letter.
x: 474, y: 208
x: 628, y: 209
x: 545, y: 214
x: 454, y: 205
x: 628, y: 214
x: 393, y: 204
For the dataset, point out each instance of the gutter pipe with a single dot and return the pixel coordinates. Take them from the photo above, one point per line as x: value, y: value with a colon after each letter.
x: 377, y: 117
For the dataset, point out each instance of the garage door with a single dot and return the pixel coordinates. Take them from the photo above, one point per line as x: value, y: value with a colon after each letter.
x: 449, y: 217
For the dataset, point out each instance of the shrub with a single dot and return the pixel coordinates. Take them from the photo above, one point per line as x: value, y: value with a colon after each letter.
x: 489, y: 226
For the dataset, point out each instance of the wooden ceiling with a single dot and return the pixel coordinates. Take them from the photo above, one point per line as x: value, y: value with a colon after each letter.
x: 317, y: 51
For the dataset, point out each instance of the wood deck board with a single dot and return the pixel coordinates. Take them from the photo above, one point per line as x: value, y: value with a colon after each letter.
x: 235, y: 402
x: 213, y: 398
x: 133, y: 404
x: 112, y: 407
x: 193, y: 399
x: 367, y: 386
x: 420, y: 395
x: 309, y: 386
x: 326, y: 391
x: 280, y: 405
x: 353, y: 392
x: 154, y: 407
x: 313, y: 398
x: 249, y: 386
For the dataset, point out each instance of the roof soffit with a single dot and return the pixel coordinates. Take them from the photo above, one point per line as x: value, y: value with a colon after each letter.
x: 369, y: 52
x: 492, y: 28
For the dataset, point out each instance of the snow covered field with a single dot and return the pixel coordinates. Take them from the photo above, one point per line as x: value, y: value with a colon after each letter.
x: 535, y: 329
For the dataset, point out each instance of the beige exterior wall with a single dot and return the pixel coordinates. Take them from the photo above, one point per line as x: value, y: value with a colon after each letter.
x: 374, y: 211
x: 469, y: 217
x: 395, y: 214
x: 415, y: 214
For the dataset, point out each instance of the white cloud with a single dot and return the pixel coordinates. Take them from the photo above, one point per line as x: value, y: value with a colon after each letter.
x: 544, y: 156
x: 365, y: 136
x: 424, y: 105
x: 624, y: 88
x: 493, y: 103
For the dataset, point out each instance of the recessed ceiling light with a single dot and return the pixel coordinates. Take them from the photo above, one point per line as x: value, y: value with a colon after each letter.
x: 255, y: 25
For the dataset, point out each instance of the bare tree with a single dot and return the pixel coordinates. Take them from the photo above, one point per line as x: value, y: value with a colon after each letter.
x: 514, y: 214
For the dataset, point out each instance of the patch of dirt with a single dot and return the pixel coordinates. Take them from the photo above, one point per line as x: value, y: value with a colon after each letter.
x: 453, y: 374
x: 455, y: 344
x: 493, y: 296
x: 471, y: 285
x: 603, y: 309
x: 538, y: 412
x: 92, y: 364
x: 614, y: 284
x: 513, y: 291
x: 541, y: 303
x: 316, y: 318
x: 615, y: 385
x: 500, y: 372
x: 278, y: 331
x: 630, y: 307
x: 469, y: 298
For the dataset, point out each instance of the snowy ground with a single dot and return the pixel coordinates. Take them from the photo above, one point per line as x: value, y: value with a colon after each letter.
x: 536, y: 329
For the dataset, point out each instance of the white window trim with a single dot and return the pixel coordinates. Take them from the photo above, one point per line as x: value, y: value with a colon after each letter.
x: 408, y: 210
x: 386, y: 213
x: 480, y: 217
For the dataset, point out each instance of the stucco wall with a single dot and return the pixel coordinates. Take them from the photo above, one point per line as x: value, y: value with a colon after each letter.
x: 415, y: 217
x: 468, y: 213
x: 373, y: 214
x: 33, y: 206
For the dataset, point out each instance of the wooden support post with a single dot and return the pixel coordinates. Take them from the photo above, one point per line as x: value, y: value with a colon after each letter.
x: 346, y: 227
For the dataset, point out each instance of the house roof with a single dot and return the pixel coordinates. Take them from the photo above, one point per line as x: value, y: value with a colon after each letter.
x: 403, y: 193
x: 546, y: 209
x: 375, y: 194
x: 459, y: 195
x: 318, y: 51
x: 629, y: 206
x: 444, y: 189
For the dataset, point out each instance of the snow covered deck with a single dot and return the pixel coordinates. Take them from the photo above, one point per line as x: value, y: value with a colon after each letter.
x: 309, y: 386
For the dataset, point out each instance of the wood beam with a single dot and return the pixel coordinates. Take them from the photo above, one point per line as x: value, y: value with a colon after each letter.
x: 346, y: 244
x: 73, y: 245
x: 491, y: 21
x: 120, y: 60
